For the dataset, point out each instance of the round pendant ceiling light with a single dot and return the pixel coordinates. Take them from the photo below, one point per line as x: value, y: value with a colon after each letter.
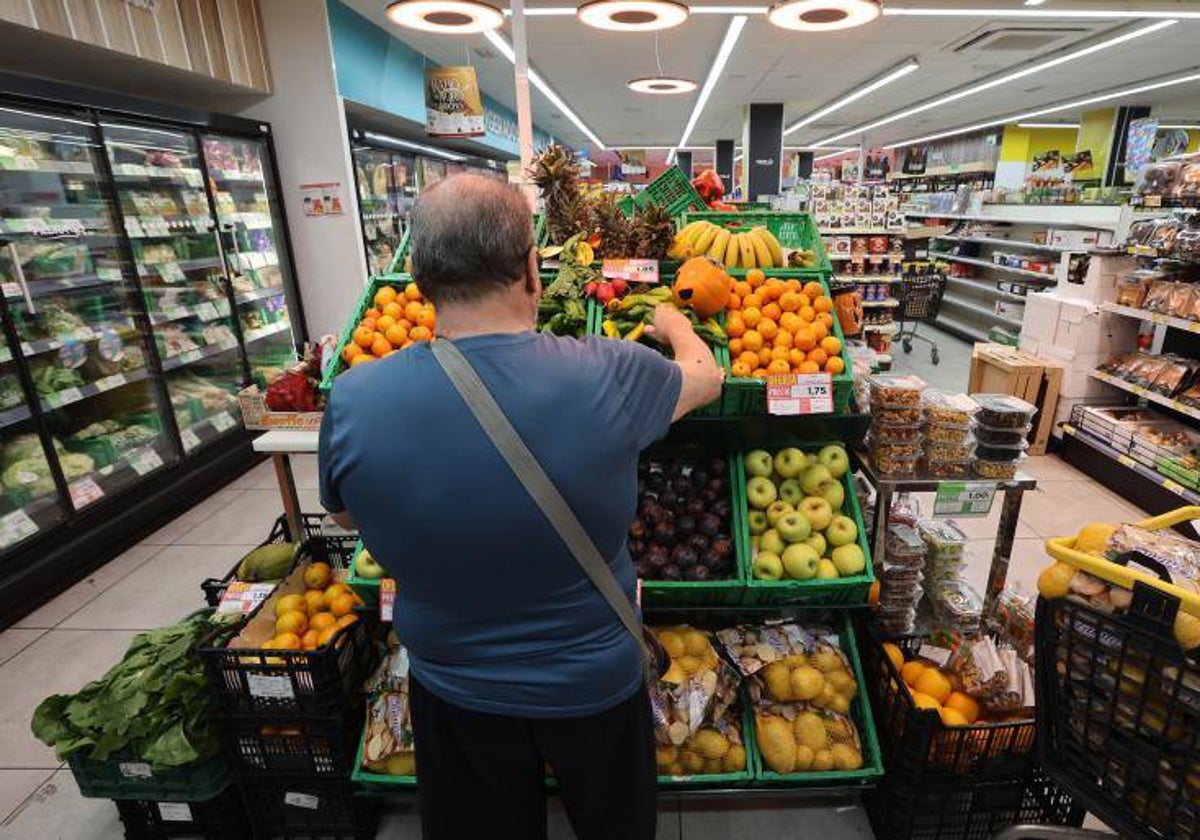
x: 823, y: 15
x: 446, y: 17
x: 633, y: 15
x: 662, y: 85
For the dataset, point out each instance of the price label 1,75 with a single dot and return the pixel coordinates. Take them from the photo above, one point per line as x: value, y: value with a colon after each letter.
x: 800, y: 393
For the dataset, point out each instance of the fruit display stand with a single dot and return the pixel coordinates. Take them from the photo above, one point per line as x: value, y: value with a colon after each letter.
x: 795, y: 231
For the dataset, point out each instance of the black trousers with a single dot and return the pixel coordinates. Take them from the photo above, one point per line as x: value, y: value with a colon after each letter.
x: 481, y: 775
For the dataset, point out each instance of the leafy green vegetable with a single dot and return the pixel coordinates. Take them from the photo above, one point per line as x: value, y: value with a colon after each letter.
x: 32, y: 475
x: 153, y: 705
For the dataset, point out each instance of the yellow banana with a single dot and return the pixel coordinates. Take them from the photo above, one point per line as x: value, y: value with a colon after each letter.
x: 705, y: 240
x: 720, y: 245
x: 680, y: 250
x: 761, y: 252
x: 773, y: 246
x: 731, y: 253
x: 690, y: 229
x: 747, y: 251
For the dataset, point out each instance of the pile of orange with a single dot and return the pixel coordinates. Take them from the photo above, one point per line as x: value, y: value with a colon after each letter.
x: 932, y: 688
x: 781, y: 326
x: 399, y: 319
x: 308, y: 621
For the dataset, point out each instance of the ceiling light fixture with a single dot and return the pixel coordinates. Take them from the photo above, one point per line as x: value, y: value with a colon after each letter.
x: 822, y: 15
x: 1180, y: 127
x: 732, y: 33
x: 998, y: 81
x: 1034, y: 2
x: 1099, y: 14
x: 409, y: 146
x: 886, y: 79
x: 446, y: 17
x: 834, y: 154
x: 662, y: 85
x: 1053, y: 109
x: 632, y: 15
x: 1047, y: 125
x: 500, y: 43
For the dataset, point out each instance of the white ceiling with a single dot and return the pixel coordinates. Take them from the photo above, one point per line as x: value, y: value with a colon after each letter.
x: 589, y: 69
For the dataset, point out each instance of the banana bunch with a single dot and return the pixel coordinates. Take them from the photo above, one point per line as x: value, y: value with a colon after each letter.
x: 756, y: 248
x: 802, y: 258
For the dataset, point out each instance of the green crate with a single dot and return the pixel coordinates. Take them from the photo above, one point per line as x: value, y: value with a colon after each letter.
x: 745, y: 395
x: 626, y: 205
x: 741, y: 777
x: 860, y: 713
x: 365, y: 588
x: 840, y: 592
x: 793, y: 230
x: 685, y: 593
x: 671, y: 191
x: 365, y: 301
x: 125, y: 778
x: 377, y: 782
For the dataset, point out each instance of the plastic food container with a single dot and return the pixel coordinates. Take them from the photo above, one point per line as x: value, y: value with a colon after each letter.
x: 894, y: 415
x: 1003, y: 411
x: 904, y: 546
x: 896, y: 389
x: 887, y: 433
x: 1001, y: 452
x: 942, y: 538
x: 1002, y: 436
x: 996, y: 469
x: 958, y: 450
x: 899, y: 578
x: 879, y: 449
x: 958, y: 603
x: 945, y: 409
x: 937, y: 433
x: 887, y: 463
x: 946, y: 469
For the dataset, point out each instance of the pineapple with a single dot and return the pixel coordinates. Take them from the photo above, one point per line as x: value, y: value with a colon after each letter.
x: 653, y: 233
x: 616, y: 234
x: 557, y: 177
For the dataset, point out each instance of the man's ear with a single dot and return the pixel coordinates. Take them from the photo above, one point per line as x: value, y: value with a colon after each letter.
x: 533, y: 278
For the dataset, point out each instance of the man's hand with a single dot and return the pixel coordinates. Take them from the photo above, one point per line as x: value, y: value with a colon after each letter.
x: 669, y: 324
x: 701, y: 377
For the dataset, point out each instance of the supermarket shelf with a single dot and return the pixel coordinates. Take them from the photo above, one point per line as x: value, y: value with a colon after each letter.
x: 968, y: 283
x: 1011, y: 220
x: 26, y: 164
x: 68, y: 396
x: 14, y: 415
x: 916, y: 484
x: 22, y: 523
x: 958, y: 328
x: 1154, y: 317
x: 210, y: 428
x: 41, y: 288
x: 1146, y: 394
x: 1037, y: 275
x: 882, y: 328
x: 1191, y: 497
x: 193, y: 356
x: 890, y: 302
x: 208, y: 311
x: 268, y: 330
x: 827, y: 232
x: 128, y: 173
x: 236, y: 178
x: 871, y: 258
x: 1015, y: 243
x: 151, y: 270
x: 45, y: 345
x: 259, y: 294
x: 120, y: 474
x: 981, y: 311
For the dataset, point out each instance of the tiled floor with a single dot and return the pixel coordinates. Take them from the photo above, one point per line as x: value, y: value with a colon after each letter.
x: 81, y: 633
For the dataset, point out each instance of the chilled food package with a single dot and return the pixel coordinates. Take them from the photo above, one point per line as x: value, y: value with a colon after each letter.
x: 1003, y: 411
x: 945, y: 468
x: 947, y: 409
x: 1001, y: 436
x: 388, y: 739
x: 1001, y: 451
x: 1012, y: 619
x: 998, y: 470
x: 895, y: 434
x: 880, y: 450
x: 956, y: 603
x: 942, y: 538
x: 896, y: 390
x: 697, y: 688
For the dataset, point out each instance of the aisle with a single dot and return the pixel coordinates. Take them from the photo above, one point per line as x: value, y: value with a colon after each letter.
x: 81, y: 633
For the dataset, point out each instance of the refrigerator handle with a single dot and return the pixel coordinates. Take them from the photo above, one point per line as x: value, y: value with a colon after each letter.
x: 216, y: 232
x: 16, y: 261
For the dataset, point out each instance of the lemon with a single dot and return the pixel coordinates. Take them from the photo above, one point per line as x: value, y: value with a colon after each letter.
x: 1055, y: 581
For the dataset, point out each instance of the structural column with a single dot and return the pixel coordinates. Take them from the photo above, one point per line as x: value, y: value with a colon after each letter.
x: 684, y: 161
x: 1114, y: 171
x: 725, y: 163
x: 763, y: 148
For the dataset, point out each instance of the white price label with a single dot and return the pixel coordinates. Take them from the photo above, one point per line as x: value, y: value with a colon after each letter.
x: 270, y: 687
x: 16, y: 526
x: 223, y: 421
x: 135, y: 770
x: 171, y: 272
x: 964, y: 498
x: 800, y: 393
x: 110, y: 382
x: 145, y: 460
x: 66, y: 396
x: 11, y: 290
x: 85, y: 491
x: 302, y: 800
x: 242, y: 597
x: 174, y: 812
x: 190, y: 441
x: 387, y: 598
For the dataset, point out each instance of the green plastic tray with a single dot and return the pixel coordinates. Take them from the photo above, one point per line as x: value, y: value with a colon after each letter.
x: 738, y: 778
x: 839, y: 592
x: 793, y: 230
x: 337, y: 366
x: 126, y: 778
x: 365, y: 588
x: 860, y: 713
x: 672, y: 191
x: 376, y: 782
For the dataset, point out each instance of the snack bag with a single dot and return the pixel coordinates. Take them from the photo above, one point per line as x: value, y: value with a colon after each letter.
x: 715, y: 748
x: 388, y: 740
x: 697, y: 689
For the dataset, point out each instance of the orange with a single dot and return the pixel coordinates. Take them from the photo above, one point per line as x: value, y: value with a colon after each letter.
x: 350, y: 351
x: 367, y: 323
x: 807, y: 313
x: 764, y: 357
x: 780, y: 354
x: 790, y: 321
x: 804, y: 300
x: 779, y: 366
x: 808, y: 367
x: 742, y: 289
x: 741, y: 369
x: 768, y: 329
x: 910, y: 671
x: 384, y: 322
x: 318, y: 575
x: 755, y: 278
x: 363, y: 337
x: 394, y: 310
x: 380, y: 346
x: 796, y: 357
x: 835, y: 365
x: 823, y: 304
x: 420, y: 333
x: 326, y: 635
x: 396, y: 335
x: 404, y: 322
x: 952, y: 717
x: 964, y: 705
x: 347, y: 620
x: 831, y: 345
x: 342, y: 605
x: 334, y: 590
x: 934, y: 683
x: 783, y: 339
x: 735, y: 325
x: 794, y: 285
x: 826, y: 319
x: 804, y: 339
x: 428, y: 318
x: 819, y: 356
x: 749, y: 358
x: 819, y: 330
x: 755, y: 300
x: 413, y: 310
x: 772, y: 311
x: 286, y: 641
x: 895, y: 654
x: 322, y: 621
x: 772, y: 290
x: 372, y: 313
x: 361, y: 359
x: 873, y: 594
x: 734, y: 304
x: 735, y: 348
x: 924, y: 701
x: 752, y: 340
x: 789, y: 302
x: 314, y: 600
x: 751, y: 315
x: 385, y: 296
x: 813, y: 289
x: 411, y: 292
x: 293, y: 621
x: 289, y: 603
x: 309, y: 640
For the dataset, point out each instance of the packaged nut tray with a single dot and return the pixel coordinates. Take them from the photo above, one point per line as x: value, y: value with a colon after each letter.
x: 959, y: 450
x: 942, y: 538
x: 945, y: 409
x: 945, y: 469
x: 892, y: 434
x: 894, y: 415
x: 1001, y: 452
x: 894, y: 465
x: 1003, y: 436
x: 957, y: 604
x: 904, y: 546
x: 898, y: 623
x: 879, y: 449
x: 936, y: 433
x: 901, y: 577
x: 996, y: 469
x: 1003, y: 411
x: 889, y: 389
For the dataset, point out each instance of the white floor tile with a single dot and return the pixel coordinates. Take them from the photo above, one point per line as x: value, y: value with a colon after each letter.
x: 160, y: 592
x: 60, y: 608
x: 18, y: 785
x: 1051, y: 468
x: 262, y: 477
x: 56, y: 811
x: 14, y: 640
x: 61, y: 662
x: 1059, y: 508
x: 1028, y: 559
x: 179, y: 526
x: 247, y: 519
x: 730, y: 821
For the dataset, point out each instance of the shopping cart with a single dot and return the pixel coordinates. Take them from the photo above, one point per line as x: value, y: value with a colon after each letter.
x: 919, y: 298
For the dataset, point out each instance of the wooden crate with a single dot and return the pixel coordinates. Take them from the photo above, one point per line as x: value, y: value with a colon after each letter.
x: 1000, y: 369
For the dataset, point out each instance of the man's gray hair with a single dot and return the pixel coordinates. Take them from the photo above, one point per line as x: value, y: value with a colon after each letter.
x: 470, y: 236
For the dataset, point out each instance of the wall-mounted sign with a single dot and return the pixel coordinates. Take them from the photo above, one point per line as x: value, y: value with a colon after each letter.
x: 1139, y: 146
x: 322, y: 199
x: 453, y: 103
x: 633, y: 161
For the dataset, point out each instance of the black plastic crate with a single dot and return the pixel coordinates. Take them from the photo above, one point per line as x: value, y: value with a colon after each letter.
x: 1119, y: 713
x: 967, y: 811
x: 214, y: 588
x: 918, y: 747
x: 221, y: 818
x: 325, y: 748
x: 305, y: 809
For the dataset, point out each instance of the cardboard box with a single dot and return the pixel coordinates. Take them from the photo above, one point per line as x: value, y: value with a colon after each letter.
x: 1083, y: 328
x: 1081, y: 240
x: 1029, y: 345
x: 257, y: 416
x: 999, y: 369
x: 1040, y: 320
x: 1010, y: 309
x: 1099, y: 284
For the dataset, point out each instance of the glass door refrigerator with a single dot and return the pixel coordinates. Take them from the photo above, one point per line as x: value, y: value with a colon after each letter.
x: 387, y: 186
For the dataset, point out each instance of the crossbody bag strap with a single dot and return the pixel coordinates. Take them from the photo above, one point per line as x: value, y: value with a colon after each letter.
x: 540, y: 487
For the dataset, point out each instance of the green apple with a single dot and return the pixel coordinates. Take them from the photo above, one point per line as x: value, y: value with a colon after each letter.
x: 790, y: 462
x: 849, y: 560
x: 767, y: 566
x: 826, y: 570
x: 365, y: 566
x: 759, y: 462
x: 800, y: 562
x: 794, y: 528
x: 841, y: 531
x: 814, y: 479
x: 754, y: 540
x: 777, y: 511
x: 810, y: 459
x: 817, y: 511
x: 771, y: 542
x: 791, y: 492
x: 817, y: 541
x: 760, y: 492
x: 757, y: 521
x: 835, y: 494
x: 834, y: 458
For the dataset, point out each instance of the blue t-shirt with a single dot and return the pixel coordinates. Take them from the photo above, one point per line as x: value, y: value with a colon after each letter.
x: 492, y: 606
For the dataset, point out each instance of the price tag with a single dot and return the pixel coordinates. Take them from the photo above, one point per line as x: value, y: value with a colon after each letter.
x: 631, y: 271
x: 171, y: 272
x: 223, y: 421
x: 964, y: 498
x: 190, y: 441
x: 110, y: 382
x: 11, y: 290
x: 16, y: 526
x: 242, y: 597
x: 799, y: 393
x: 144, y: 460
x: 302, y: 800
x: 174, y: 812
x: 270, y: 686
x: 84, y: 492
x: 387, y: 599
x: 135, y: 770
x: 1125, y: 460
x: 1173, y: 486
x: 207, y: 312
x: 66, y: 396
x: 1152, y: 200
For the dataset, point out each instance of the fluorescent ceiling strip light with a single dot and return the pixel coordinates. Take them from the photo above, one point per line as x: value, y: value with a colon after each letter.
x: 838, y: 153
x: 732, y: 33
x: 1053, y: 109
x: 1181, y: 127
x: 499, y: 42
x: 569, y: 11
x: 387, y: 140
x: 999, y: 81
x: 886, y: 79
x: 1047, y: 125
x: 1104, y: 14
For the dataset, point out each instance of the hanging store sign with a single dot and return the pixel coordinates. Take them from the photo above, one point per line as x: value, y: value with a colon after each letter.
x: 453, y: 103
x: 633, y: 161
x: 1139, y: 146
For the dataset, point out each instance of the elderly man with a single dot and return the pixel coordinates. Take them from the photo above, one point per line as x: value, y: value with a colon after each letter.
x: 518, y: 662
